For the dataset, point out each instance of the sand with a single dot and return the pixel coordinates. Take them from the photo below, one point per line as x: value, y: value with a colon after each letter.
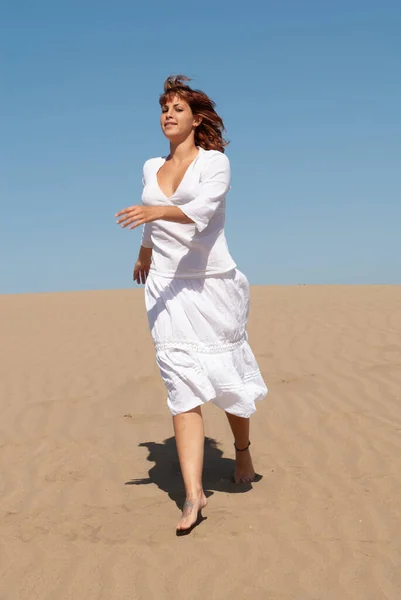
x: 89, y: 477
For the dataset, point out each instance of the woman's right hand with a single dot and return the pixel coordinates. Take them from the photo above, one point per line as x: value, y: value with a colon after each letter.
x: 141, y: 271
x: 142, y: 265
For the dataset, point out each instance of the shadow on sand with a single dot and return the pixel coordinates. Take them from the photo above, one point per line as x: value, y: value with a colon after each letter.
x: 166, y: 474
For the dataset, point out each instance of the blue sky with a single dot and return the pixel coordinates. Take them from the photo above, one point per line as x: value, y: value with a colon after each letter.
x: 310, y: 93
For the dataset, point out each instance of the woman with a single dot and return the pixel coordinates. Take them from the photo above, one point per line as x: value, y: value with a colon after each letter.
x: 197, y: 301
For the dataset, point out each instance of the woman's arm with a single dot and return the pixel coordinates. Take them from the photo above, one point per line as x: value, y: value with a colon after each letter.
x: 139, y: 215
x: 213, y: 188
x: 174, y: 214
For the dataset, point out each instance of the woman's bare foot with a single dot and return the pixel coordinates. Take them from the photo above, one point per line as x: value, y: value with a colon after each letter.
x: 190, y: 512
x: 244, y: 471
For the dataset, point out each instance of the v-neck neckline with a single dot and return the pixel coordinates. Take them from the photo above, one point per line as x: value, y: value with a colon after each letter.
x: 182, y: 179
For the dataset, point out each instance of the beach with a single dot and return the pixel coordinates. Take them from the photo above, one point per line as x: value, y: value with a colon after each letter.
x: 89, y: 476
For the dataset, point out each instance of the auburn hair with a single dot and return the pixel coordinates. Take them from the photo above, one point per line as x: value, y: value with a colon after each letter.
x: 209, y: 133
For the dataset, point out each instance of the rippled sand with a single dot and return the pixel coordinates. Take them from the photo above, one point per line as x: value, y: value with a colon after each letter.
x: 89, y: 478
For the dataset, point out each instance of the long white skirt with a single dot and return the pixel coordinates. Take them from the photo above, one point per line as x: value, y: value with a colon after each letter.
x: 198, y: 327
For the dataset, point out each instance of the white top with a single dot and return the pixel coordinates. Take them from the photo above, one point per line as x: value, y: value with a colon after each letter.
x: 196, y: 249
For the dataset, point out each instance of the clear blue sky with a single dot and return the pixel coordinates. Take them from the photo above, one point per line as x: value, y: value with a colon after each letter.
x: 310, y: 92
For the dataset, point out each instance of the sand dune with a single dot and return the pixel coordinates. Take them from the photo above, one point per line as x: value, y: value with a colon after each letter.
x: 89, y: 478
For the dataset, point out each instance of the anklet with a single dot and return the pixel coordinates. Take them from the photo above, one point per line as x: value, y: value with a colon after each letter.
x: 241, y: 449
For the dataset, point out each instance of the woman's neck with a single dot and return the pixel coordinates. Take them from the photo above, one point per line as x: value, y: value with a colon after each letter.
x: 183, y: 151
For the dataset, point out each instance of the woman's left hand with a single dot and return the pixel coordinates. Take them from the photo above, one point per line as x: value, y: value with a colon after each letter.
x: 137, y: 215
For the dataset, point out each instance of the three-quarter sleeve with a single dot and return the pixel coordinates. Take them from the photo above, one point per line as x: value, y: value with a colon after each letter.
x: 214, y: 185
x: 146, y: 240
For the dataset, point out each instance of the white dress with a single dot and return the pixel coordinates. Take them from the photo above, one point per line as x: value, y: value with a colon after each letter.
x: 197, y: 301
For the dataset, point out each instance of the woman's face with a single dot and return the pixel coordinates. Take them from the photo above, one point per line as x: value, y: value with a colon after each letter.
x: 177, y: 120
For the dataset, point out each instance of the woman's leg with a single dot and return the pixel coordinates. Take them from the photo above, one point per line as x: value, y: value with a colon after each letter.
x: 190, y: 439
x: 244, y: 471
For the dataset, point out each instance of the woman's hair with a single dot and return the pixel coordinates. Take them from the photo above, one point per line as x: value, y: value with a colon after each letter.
x: 209, y: 134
